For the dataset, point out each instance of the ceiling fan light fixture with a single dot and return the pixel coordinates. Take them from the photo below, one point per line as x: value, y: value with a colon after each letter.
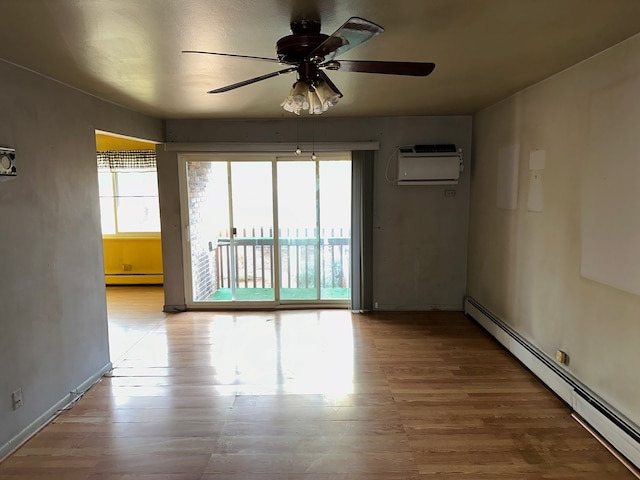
x: 315, y: 104
x: 326, y: 95
x: 297, y: 99
x: 316, y: 99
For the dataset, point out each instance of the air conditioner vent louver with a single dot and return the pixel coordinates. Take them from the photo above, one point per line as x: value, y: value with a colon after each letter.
x: 441, y: 148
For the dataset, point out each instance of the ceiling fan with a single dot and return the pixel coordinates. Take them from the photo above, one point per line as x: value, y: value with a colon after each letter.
x: 309, y: 52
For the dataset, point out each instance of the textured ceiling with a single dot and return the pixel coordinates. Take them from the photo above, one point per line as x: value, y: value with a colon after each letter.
x: 129, y: 51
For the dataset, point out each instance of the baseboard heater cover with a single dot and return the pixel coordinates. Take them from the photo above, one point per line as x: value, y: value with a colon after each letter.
x: 134, y: 279
x: 614, y: 427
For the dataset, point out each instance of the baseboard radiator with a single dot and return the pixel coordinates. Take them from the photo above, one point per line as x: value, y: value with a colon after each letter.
x: 612, y: 426
x: 134, y: 279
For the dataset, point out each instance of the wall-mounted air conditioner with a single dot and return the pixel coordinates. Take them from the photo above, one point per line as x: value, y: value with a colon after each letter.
x: 429, y: 165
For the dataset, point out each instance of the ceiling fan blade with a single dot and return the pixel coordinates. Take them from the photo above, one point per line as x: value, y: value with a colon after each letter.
x: 253, y: 80
x: 388, y: 68
x: 352, y: 33
x: 233, y: 55
x: 332, y: 85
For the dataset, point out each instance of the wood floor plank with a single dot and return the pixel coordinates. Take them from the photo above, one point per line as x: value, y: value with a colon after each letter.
x: 314, y: 395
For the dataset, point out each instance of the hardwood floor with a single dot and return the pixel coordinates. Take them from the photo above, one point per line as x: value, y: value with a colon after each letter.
x: 319, y: 395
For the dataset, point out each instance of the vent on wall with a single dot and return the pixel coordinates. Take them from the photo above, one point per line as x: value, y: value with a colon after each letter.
x: 438, y: 164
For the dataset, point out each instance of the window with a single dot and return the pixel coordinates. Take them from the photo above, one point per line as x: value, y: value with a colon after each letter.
x: 128, y: 189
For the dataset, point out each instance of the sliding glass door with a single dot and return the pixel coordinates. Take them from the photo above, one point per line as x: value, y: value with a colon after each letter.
x: 250, y: 241
x: 272, y: 230
x: 334, y: 203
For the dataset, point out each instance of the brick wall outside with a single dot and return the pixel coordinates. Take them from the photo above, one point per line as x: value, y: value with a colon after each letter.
x: 203, y: 248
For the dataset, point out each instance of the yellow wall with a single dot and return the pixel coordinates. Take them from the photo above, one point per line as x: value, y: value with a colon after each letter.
x: 142, y: 254
x: 132, y: 260
x: 108, y: 142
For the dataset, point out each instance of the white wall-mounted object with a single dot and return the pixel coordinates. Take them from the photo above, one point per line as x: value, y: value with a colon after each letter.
x: 609, y: 197
x: 7, y: 163
x: 429, y: 165
x: 535, y: 200
x: 537, y: 159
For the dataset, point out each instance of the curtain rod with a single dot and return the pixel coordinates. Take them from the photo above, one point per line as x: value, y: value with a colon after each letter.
x: 269, y: 147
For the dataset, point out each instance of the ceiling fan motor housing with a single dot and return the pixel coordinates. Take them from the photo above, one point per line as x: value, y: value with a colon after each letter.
x: 305, y: 37
x: 308, y: 72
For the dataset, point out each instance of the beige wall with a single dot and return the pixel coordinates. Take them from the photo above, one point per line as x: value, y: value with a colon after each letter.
x: 525, y: 266
x: 53, y: 326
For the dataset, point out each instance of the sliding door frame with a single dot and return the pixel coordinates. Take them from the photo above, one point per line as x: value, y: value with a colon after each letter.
x: 360, y: 270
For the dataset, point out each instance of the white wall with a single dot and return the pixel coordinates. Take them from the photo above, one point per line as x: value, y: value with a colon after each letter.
x: 419, y: 234
x: 525, y: 266
x: 53, y: 329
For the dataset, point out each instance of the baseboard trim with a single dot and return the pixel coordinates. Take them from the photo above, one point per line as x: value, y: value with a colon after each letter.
x: 416, y: 307
x: 616, y: 429
x: 44, y: 419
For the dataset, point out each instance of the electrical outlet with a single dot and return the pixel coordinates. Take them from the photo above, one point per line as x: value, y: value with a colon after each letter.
x: 16, y: 399
x: 562, y: 357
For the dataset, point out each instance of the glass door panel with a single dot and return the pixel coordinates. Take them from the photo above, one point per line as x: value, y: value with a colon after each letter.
x: 298, y: 235
x: 252, y: 230
x: 208, y: 203
x: 335, y: 229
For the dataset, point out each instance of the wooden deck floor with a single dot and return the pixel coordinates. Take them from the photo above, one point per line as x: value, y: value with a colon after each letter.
x: 319, y: 395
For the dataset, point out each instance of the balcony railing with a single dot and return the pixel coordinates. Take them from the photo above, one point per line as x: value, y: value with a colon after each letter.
x: 306, y: 261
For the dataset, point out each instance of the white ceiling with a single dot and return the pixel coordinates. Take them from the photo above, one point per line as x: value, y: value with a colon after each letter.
x: 129, y: 51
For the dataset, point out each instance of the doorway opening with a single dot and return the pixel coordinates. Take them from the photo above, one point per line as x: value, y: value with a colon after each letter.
x: 130, y: 223
x: 129, y: 210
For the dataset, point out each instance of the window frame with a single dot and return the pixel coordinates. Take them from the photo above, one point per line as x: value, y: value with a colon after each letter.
x: 114, y: 208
